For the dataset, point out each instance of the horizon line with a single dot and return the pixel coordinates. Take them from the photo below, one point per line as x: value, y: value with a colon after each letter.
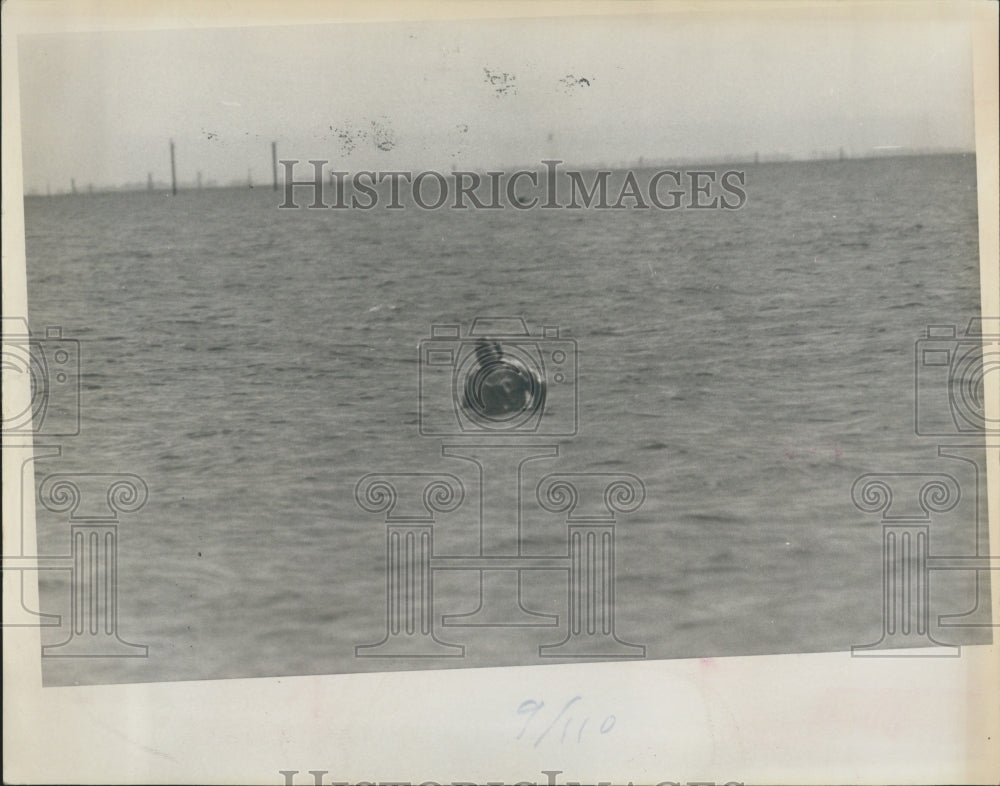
x: 876, y: 153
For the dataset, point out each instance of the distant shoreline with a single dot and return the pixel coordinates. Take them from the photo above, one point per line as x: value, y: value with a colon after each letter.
x: 640, y: 164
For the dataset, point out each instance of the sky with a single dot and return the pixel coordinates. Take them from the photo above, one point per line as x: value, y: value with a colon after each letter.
x: 102, y: 107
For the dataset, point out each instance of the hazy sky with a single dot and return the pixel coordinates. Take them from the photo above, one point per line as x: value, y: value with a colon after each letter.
x: 101, y: 107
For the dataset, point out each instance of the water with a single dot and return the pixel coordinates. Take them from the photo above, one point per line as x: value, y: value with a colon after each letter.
x: 251, y: 364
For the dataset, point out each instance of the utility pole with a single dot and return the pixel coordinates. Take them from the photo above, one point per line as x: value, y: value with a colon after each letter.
x: 274, y: 165
x: 173, y: 171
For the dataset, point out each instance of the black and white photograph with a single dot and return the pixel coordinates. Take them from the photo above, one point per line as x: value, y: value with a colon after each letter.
x: 445, y: 348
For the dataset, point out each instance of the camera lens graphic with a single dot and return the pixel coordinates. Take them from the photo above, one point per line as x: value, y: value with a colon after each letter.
x: 967, y: 388
x: 500, y: 393
x: 22, y: 360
